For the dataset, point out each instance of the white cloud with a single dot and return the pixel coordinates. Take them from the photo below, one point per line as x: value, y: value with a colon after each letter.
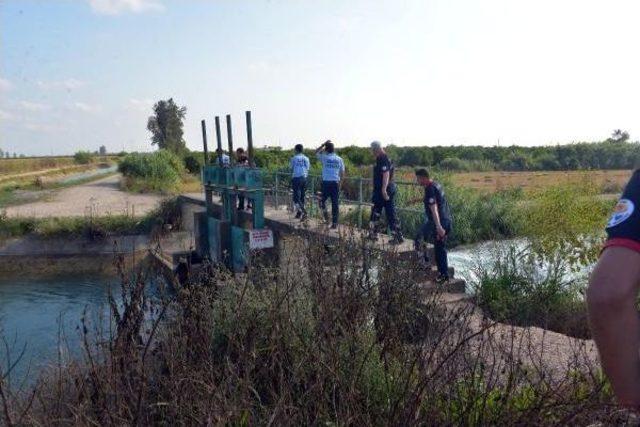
x: 86, y: 108
x: 34, y: 106
x: 115, y: 7
x: 6, y: 116
x: 5, y: 85
x: 67, y: 84
x: 140, y: 104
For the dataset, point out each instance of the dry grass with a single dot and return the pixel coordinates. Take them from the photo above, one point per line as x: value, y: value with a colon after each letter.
x: 609, y: 181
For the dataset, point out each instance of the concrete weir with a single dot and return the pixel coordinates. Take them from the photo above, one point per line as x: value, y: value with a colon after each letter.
x: 287, y: 235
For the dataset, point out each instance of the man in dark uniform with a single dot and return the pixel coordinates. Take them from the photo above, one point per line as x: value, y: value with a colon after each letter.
x: 438, y: 225
x: 384, y: 191
x: 612, y: 298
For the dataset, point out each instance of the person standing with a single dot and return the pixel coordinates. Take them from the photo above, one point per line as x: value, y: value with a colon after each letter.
x: 223, y: 159
x: 438, y: 225
x: 384, y: 191
x: 299, y: 171
x: 242, y: 160
x: 332, y: 170
x: 612, y: 298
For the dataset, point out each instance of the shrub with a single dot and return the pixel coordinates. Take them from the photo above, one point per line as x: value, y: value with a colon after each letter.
x: 193, y: 162
x: 158, y: 171
x: 83, y: 157
x: 513, y: 288
x: 455, y: 164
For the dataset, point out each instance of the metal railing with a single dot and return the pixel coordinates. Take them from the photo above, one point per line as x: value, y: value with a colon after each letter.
x: 355, y: 192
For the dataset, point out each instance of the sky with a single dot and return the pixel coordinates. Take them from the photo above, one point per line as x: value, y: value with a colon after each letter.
x: 78, y: 74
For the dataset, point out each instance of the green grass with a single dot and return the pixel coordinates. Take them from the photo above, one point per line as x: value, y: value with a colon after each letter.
x: 92, y: 227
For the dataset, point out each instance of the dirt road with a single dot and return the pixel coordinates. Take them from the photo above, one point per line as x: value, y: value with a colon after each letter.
x: 101, y: 197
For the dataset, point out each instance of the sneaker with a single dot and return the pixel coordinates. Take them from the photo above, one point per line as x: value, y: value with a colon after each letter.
x: 372, y: 236
x: 325, y: 215
x: 303, y: 217
x: 334, y: 226
x: 298, y: 215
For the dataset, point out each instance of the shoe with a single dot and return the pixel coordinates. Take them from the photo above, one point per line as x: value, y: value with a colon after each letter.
x: 303, y: 217
x: 442, y: 279
x: 240, y: 208
x: 373, y: 237
x: 298, y: 215
x: 325, y: 215
x: 334, y: 226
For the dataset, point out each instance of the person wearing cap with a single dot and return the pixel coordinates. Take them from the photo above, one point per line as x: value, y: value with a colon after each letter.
x: 299, y: 171
x: 612, y: 298
x: 332, y: 170
x: 438, y: 225
x: 384, y: 191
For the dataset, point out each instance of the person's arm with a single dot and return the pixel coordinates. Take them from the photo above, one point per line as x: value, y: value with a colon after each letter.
x: 436, y: 219
x: 615, y: 323
x: 385, y: 184
x: 319, y: 149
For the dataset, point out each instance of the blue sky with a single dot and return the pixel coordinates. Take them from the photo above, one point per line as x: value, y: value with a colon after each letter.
x: 76, y: 74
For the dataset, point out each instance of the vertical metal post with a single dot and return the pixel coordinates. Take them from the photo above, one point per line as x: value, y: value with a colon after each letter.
x: 249, y: 139
x: 360, y: 202
x: 208, y: 194
x: 229, y: 135
x: 276, y: 193
x: 219, y: 141
x: 204, y: 142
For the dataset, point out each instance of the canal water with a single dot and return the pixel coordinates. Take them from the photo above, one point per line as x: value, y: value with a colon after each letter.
x: 40, y: 317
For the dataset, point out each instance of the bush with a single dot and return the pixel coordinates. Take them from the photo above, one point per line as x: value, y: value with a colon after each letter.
x: 146, y: 172
x: 193, y: 162
x: 83, y: 157
x: 455, y: 165
x: 516, y: 290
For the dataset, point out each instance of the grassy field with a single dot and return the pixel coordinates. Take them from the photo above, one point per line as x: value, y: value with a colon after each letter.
x: 610, y: 181
x: 33, y: 164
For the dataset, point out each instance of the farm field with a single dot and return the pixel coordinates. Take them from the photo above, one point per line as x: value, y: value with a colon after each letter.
x: 610, y: 181
x: 15, y: 166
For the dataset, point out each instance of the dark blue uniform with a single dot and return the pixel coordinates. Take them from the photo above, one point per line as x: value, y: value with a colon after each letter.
x: 434, y: 194
x: 383, y: 164
x: 623, y: 228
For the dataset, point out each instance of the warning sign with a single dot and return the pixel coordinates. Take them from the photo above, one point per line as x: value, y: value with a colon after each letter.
x: 261, y: 239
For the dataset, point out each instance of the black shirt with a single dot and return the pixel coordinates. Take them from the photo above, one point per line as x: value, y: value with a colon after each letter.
x: 434, y: 193
x: 625, y: 221
x: 383, y: 164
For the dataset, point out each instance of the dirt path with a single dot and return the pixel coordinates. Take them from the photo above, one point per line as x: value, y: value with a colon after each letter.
x: 101, y: 197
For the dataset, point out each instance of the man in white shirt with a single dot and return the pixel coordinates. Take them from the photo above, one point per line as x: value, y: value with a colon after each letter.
x: 332, y: 171
x: 299, y: 171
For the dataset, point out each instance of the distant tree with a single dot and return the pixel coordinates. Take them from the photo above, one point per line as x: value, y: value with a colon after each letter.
x: 83, y: 157
x: 22, y: 156
x: 619, y: 136
x: 15, y: 155
x: 1, y: 153
x: 166, y: 125
x: 103, y: 150
x: 7, y: 155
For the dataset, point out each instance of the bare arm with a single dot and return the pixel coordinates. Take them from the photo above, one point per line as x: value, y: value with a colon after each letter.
x: 436, y: 218
x: 385, y: 181
x: 611, y: 300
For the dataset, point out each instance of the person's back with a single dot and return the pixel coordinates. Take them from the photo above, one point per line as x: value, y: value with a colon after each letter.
x: 299, y: 166
x: 434, y: 193
x: 332, y: 166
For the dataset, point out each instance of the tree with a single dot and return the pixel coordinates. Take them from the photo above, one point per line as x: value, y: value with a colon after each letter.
x: 103, y: 150
x: 166, y: 125
x: 619, y: 136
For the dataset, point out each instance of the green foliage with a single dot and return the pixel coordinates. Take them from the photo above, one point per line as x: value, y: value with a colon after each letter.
x: 149, y: 172
x: 514, y: 289
x: 193, y: 162
x: 166, y: 126
x: 83, y: 157
x: 567, y: 220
